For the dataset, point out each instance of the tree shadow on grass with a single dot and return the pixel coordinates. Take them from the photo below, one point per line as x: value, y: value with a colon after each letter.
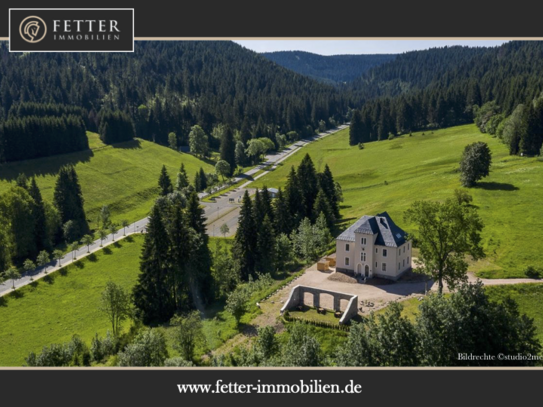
x: 63, y: 271
x: 79, y: 264
x: 107, y: 250
x: 129, y: 239
x: 3, y: 302
x: 43, y: 166
x: 49, y: 280
x: 248, y: 329
x: 117, y: 245
x: 496, y: 186
x: 128, y: 145
x: 92, y: 258
x: 17, y: 294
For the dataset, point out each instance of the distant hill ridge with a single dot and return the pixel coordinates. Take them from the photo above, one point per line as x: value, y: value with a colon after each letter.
x: 332, y: 68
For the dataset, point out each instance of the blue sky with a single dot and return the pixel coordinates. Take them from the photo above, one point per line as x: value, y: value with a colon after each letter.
x: 362, y: 46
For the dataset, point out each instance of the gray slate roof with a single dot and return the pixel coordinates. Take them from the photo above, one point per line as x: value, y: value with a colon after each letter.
x: 388, y: 234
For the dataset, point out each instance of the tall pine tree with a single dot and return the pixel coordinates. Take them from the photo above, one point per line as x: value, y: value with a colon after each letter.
x: 309, y: 187
x: 69, y: 201
x: 228, y: 148
x: 40, y: 221
x: 164, y: 182
x: 282, y: 217
x: 244, y: 249
x: 152, y: 293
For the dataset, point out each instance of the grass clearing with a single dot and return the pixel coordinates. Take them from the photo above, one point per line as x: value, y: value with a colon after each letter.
x: 64, y: 303
x: 54, y: 308
x: 390, y: 175
x: 123, y: 176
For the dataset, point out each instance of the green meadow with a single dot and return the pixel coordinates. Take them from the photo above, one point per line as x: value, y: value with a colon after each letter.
x: 123, y: 176
x: 64, y: 303
x: 390, y: 175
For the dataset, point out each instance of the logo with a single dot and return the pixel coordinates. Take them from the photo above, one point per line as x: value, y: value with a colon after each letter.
x: 71, y: 30
x: 33, y: 29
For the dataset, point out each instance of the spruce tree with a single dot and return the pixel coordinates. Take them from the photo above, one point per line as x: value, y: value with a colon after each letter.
x: 200, y: 180
x: 258, y: 209
x: 282, y: 217
x: 228, y: 148
x: 40, y: 221
x: 328, y: 186
x: 203, y: 179
x: 152, y: 292
x: 196, y: 215
x: 293, y: 196
x: 265, y: 246
x: 531, y: 131
x: 200, y: 277
x: 69, y: 201
x: 182, y: 178
x: 356, y: 129
x: 22, y: 181
x: 244, y: 249
x: 309, y: 188
x: 266, y: 203
x: 164, y: 182
x: 323, y: 206
x: 179, y: 253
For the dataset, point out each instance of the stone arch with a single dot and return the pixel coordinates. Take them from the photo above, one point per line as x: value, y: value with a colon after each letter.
x: 359, y: 269
x: 310, y: 299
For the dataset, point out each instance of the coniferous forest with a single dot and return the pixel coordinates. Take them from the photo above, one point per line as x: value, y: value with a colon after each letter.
x: 162, y: 87
x: 445, y: 87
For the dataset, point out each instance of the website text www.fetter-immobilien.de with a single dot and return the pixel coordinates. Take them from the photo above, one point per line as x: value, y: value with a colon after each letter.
x: 302, y: 387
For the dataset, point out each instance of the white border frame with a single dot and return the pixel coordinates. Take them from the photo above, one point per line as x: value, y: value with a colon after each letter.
x: 44, y: 8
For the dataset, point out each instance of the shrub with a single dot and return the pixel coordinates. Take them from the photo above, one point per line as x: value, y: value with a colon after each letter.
x: 391, y: 136
x: 361, y: 146
x: 102, y: 347
x: 532, y: 272
x: 73, y: 353
x: 178, y: 362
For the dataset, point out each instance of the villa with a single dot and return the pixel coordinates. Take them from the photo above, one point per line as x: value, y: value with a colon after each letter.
x: 374, y: 247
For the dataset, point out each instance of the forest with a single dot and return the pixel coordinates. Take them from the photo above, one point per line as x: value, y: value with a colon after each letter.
x: 335, y: 69
x: 48, y: 101
x: 444, y: 87
x: 162, y: 87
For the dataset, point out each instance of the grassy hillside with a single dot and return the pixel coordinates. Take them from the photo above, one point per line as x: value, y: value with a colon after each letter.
x: 123, y: 176
x: 65, y: 303
x: 390, y: 175
x: 54, y: 308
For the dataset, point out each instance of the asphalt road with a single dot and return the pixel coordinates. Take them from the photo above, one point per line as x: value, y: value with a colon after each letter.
x: 218, y: 212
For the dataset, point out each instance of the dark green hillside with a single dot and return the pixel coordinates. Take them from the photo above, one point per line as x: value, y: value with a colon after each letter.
x: 331, y: 68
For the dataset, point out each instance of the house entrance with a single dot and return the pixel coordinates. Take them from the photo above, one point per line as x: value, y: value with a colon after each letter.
x: 367, y: 271
x: 359, y: 269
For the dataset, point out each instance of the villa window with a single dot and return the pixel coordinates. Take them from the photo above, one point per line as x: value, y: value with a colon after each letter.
x: 408, y: 261
x: 363, y: 240
x: 399, y: 252
x: 407, y: 246
x: 375, y: 264
x: 363, y: 256
x: 347, y: 247
x: 404, y: 249
x: 384, y: 252
x: 376, y: 250
x: 384, y: 267
x: 404, y: 263
x: 346, y: 261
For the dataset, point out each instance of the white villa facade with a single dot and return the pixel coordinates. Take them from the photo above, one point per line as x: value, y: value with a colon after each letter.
x: 374, y: 247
